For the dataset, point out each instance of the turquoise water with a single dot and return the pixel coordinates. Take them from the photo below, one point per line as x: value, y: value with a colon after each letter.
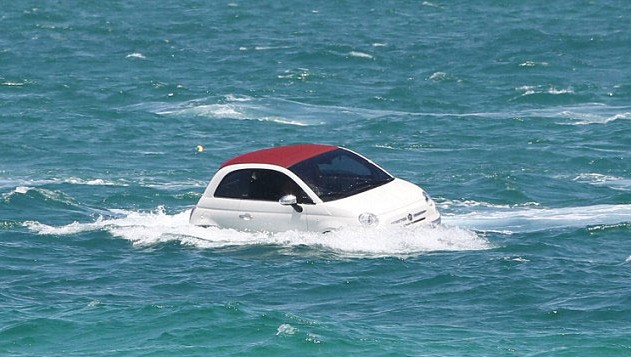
x: 516, y: 117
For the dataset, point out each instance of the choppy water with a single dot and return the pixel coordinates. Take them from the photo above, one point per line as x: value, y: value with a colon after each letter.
x: 516, y: 117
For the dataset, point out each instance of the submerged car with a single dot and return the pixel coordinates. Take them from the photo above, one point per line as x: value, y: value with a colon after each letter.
x: 309, y: 187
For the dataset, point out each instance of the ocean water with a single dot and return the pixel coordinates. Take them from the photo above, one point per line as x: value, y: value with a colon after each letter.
x: 514, y: 116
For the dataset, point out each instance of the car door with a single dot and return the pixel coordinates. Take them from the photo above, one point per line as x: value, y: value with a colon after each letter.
x: 258, y: 192
x: 223, y: 205
x: 270, y: 216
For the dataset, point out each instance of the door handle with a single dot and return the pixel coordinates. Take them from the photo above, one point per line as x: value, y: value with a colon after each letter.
x: 245, y: 216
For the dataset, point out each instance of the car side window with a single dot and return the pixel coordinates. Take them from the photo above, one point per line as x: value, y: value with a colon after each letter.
x: 235, y: 185
x: 259, y: 184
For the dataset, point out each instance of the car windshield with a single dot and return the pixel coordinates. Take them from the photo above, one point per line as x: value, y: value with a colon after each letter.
x: 340, y: 173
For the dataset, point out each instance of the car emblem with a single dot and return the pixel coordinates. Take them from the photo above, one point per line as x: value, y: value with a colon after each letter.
x: 410, y: 217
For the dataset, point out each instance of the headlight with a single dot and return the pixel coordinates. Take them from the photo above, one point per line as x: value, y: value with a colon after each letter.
x: 368, y: 220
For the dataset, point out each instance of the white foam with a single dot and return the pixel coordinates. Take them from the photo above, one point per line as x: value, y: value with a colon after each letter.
x: 213, y: 110
x: 533, y: 64
x: 286, y: 329
x: 530, y: 90
x: 267, y: 48
x: 61, y: 180
x: 20, y: 190
x: 281, y: 111
x: 360, y: 54
x: 148, y: 228
x: 588, y: 113
x: 236, y: 111
x: 460, y: 205
x: 594, y: 118
x: 299, y: 73
x: 136, y: 55
x: 553, y: 90
x: 438, y: 76
x: 236, y: 98
x: 72, y: 228
x: 14, y: 84
x: 52, y: 195
x: 430, y: 4
x: 595, y: 178
x: 613, y: 182
x: 22, y: 186
x: 91, y: 182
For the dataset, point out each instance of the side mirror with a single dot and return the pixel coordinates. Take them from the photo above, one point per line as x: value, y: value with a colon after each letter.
x: 288, y: 200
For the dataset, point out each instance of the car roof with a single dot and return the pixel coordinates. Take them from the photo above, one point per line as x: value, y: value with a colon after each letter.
x: 284, y: 156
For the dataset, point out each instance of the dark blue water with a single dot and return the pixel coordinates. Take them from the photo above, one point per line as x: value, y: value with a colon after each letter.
x: 514, y: 117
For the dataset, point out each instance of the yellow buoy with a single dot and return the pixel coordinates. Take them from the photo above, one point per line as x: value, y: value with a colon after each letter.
x: 199, y: 148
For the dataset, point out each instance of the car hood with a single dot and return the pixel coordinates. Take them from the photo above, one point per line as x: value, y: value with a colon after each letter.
x: 392, y: 196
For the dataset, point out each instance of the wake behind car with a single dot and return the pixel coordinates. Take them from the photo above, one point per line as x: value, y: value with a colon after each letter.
x: 309, y: 187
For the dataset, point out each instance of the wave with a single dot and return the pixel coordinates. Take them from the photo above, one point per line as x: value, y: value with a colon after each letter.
x: 289, y: 112
x: 613, y: 182
x: 280, y: 111
x: 283, y: 111
x: 149, y: 228
x: 42, y: 193
x: 589, y: 113
x: 137, y: 55
x: 594, y: 118
x: 506, y: 219
x: 19, y: 190
x: 430, y: 4
x: 17, y: 183
x: 22, y: 186
x: 359, y: 54
x: 242, y: 108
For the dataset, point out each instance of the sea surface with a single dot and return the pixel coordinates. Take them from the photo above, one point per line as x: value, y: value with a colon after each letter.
x: 514, y: 116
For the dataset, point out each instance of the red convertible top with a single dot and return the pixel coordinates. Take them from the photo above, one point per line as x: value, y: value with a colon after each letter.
x: 284, y: 156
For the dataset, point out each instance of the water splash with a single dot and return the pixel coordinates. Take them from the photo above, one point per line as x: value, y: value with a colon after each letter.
x: 149, y: 228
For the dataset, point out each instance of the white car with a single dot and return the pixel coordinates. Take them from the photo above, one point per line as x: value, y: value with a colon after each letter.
x: 309, y: 188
